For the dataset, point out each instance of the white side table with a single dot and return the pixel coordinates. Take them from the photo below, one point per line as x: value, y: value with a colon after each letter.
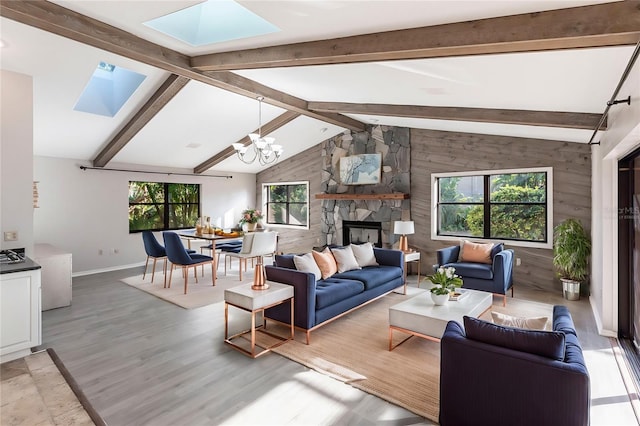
x: 413, y: 256
x: 254, y: 301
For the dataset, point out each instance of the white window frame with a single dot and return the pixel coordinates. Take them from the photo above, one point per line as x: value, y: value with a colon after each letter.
x: 264, y: 204
x: 434, y: 206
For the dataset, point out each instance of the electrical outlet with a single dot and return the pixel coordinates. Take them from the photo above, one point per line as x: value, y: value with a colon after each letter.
x: 11, y: 236
x: 518, y: 261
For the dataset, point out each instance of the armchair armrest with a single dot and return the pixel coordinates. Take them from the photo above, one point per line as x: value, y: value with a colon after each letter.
x: 304, y: 293
x: 448, y: 255
x: 503, y: 268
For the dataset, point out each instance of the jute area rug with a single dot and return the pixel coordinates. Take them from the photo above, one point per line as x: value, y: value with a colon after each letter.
x: 355, y: 349
x: 39, y: 390
x: 199, y: 294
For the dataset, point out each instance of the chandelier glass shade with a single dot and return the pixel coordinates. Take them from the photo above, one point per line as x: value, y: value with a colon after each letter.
x: 261, y: 148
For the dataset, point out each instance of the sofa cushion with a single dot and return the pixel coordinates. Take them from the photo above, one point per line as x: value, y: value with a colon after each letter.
x: 334, y: 290
x: 573, y: 351
x: 472, y: 270
x: 364, y: 254
x: 534, y: 323
x: 497, y: 248
x: 372, y: 276
x: 345, y: 259
x: 284, y: 261
x: 326, y: 262
x: 475, y: 252
x: 549, y: 344
x: 306, y: 263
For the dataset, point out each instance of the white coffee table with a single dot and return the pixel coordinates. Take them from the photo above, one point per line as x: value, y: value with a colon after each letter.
x: 418, y: 316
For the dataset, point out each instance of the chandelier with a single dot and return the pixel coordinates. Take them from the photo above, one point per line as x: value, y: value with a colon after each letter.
x: 261, y: 148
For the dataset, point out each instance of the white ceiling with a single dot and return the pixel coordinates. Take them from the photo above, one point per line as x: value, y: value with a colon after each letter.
x: 202, y: 120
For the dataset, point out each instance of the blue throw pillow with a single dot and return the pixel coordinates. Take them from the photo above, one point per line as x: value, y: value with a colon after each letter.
x: 549, y: 344
x: 497, y: 248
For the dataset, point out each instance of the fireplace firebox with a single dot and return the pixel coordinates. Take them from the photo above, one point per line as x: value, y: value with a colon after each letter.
x: 358, y: 232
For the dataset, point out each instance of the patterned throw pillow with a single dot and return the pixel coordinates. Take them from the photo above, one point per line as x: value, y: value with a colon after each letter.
x: 306, y: 263
x: 536, y: 323
x: 326, y: 262
x: 364, y: 254
x: 345, y: 259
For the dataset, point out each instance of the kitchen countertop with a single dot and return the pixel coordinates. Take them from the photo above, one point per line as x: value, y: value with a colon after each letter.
x: 27, y: 265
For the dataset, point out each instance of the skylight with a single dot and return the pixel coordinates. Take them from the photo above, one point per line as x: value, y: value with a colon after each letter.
x: 108, y: 90
x: 212, y: 21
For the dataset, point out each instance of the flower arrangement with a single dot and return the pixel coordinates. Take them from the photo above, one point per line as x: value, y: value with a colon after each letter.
x: 251, y: 216
x: 445, y: 280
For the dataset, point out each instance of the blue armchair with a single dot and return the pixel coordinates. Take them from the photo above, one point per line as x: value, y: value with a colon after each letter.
x: 496, y: 277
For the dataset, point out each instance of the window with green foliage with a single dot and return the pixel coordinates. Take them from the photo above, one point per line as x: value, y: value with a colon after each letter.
x: 286, y: 203
x: 160, y: 206
x: 501, y: 205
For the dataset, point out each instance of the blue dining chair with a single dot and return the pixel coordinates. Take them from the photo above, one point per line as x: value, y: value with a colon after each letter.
x: 155, y: 251
x: 178, y: 256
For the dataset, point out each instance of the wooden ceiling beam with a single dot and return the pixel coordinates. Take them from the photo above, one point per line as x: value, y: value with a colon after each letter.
x: 158, y: 100
x: 609, y: 24
x: 572, y: 120
x: 64, y: 22
x: 270, y: 127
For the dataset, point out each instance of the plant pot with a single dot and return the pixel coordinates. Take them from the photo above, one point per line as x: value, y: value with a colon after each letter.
x: 570, y: 289
x: 251, y: 227
x: 440, y: 299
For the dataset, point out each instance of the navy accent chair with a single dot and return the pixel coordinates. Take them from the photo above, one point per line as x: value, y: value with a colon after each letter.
x: 179, y: 256
x: 496, y: 277
x: 505, y: 376
x: 154, y: 251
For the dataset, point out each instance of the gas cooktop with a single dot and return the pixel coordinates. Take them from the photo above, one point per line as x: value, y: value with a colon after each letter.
x: 11, y: 256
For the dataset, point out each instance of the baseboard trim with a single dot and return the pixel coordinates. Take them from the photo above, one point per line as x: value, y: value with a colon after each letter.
x: 109, y: 269
x: 596, y: 315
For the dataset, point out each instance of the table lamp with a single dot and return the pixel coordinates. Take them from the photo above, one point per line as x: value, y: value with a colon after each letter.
x: 403, y: 228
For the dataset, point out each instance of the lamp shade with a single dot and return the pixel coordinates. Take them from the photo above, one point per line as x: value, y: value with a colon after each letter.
x: 403, y: 227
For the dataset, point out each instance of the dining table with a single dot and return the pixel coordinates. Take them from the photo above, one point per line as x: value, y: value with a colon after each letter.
x: 190, y: 234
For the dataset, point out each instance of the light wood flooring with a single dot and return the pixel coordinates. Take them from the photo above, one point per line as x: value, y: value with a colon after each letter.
x: 143, y: 361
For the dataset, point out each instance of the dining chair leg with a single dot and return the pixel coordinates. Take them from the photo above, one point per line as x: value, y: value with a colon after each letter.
x: 214, y: 266
x: 153, y: 273
x: 195, y: 272
x: 146, y: 265
x: 171, y: 275
x: 164, y: 273
x: 186, y: 277
x: 240, y: 267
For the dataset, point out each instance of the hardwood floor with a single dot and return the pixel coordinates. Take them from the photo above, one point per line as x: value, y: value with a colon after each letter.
x: 143, y: 361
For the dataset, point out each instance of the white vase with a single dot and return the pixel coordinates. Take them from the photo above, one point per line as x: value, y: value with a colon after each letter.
x: 251, y: 227
x: 440, y: 299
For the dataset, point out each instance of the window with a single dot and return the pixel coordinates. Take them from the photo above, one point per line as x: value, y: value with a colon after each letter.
x: 513, y: 205
x: 286, y: 204
x: 159, y: 206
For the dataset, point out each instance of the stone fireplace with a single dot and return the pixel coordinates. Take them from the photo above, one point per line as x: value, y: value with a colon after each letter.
x: 384, y: 202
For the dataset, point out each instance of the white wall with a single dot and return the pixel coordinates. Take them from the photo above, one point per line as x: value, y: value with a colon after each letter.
x: 86, y: 211
x: 621, y: 138
x: 16, y: 165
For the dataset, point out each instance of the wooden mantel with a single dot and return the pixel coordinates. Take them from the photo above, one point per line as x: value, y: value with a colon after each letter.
x: 391, y: 196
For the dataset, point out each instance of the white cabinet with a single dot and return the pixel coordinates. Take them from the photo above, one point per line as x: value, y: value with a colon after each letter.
x: 20, y: 313
x: 56, y: 275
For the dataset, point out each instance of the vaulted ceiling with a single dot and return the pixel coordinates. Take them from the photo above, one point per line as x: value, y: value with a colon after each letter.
x: 540, y: 69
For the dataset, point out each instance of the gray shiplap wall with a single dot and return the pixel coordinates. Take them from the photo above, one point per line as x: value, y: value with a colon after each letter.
x: 437, y: 152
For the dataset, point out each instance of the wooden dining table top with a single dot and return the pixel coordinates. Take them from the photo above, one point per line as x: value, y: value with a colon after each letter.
x: 191, y: 233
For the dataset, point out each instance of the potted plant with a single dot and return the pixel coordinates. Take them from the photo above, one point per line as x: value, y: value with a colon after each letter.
x: 571, y: 250
x: 445, y: 281
x: 251, y: 218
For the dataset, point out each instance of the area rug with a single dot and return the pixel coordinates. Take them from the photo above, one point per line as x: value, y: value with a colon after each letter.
x: 198, y: 294
x: 38, y: 389
x: 355, y: 349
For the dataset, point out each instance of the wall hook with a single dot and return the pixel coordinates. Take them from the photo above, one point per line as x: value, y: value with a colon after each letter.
x: 620, y: 101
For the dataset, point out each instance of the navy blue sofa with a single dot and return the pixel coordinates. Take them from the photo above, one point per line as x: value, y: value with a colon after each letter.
x: 495, y: 278
x: 495, y: 375
x: 319, y: 302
